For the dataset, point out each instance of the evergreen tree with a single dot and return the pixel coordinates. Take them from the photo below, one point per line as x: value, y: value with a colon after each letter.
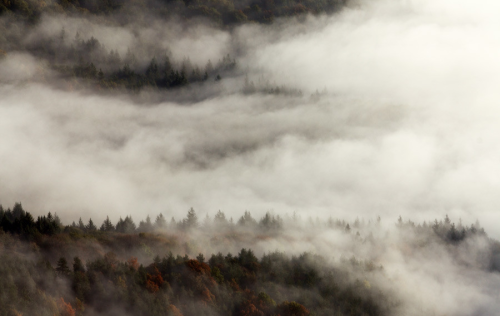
x: 160, y: 221
x: 191, y: 221
x: 146, y: 226
x: 107, y: 226
x: 81, y: 225
x: 220, y: 219
x: 62, y: 266
x: 90, y: 226
x: 78, y: 265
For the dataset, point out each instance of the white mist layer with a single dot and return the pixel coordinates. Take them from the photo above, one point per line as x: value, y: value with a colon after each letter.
x: 409, y: 128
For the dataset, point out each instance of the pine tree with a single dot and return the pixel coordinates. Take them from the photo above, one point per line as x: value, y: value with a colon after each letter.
x: 62, y: 266
x: 90, y: 226
x: 78, y: 265
x: 81, y: 225
x: 191, y: 221
x: 107, y: 226
x: 160, y: 221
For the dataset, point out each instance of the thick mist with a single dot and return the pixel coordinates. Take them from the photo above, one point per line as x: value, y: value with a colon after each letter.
x: 404, y: 122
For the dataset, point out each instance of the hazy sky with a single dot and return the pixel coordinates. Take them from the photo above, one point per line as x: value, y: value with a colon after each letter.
x: 408, y: 123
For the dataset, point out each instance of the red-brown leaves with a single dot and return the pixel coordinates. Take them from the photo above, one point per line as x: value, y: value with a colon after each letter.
x: 249, y: 309
x: 132, y: 263
x: 155, y: 281
x: 65, y: 309
x: 199, y: 267
x: 174, y: 310
x: 207, y: 296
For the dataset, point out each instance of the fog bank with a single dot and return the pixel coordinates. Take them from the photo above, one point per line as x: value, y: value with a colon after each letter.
x: 405, y: 123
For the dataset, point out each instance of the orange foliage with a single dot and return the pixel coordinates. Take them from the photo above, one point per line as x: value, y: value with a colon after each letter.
x: 249, y: 309
x: 174, y: 310
x: 199, y: 267
x: 132, y: 263
x: 207, y: 296
x: 234, y: 285
x: 154, y: 281
x: 151, y: 286
x: 65, y: 309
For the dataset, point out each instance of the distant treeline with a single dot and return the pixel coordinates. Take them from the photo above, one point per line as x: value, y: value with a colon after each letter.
x: 219, y: 12
x: 18, y: 221
x: 88, y: 63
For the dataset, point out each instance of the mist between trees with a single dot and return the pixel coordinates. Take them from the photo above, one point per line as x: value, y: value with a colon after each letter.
x: 221, y: 266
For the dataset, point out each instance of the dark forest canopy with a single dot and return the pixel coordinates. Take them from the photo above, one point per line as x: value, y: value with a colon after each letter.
x: 152, y: 268
x: 219, y: 12
x: 85, y: 62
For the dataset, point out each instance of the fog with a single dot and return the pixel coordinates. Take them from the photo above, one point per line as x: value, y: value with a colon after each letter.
x: 398, y: 117
x: 407, y: 125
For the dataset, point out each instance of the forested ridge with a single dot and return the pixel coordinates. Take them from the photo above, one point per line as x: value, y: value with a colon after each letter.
x: 85, y: 62
x: 162, y: 267
x: 220, y: 12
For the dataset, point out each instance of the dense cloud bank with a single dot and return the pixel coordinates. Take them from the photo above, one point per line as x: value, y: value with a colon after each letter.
x: 404, y: 121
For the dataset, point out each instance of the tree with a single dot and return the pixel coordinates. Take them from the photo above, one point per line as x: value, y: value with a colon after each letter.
x: 292, y: 309
x: 152, y: 70
x: 78, y: 265
x: 90, y: 226
x: 65, y: 309
x: 146, y: 226
x: 126, y: 226
x: 160, y: 221
x: 62, y: 266
x: 107, y: 226
x: 270, y: 222
x: 247, y: 220
x: 81, y: 225
x: 18, y: 211
x: 200, y: 258
x: 447, y: 220
x: 191, y: 220
x: 220, y: 219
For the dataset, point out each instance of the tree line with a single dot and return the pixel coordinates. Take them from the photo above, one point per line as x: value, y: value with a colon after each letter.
x: 219, y: 12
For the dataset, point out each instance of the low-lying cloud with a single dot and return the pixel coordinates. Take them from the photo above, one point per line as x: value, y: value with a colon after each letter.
x: 406, y: 125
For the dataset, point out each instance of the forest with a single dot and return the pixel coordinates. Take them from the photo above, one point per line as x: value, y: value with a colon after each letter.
x: 165, y: 267
x: 93, y: 64
x: 219, y: 12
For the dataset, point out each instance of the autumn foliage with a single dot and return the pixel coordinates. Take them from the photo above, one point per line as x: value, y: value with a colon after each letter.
x: 199, y: 267
x: 154, y: 281
x: 65, y: 309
